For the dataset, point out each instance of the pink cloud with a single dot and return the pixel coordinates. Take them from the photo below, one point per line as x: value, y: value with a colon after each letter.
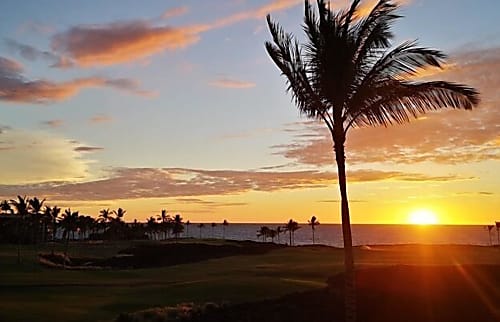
x: 119, y: 42
x: 91, y: 45
x: 132, y: 183
x: 174, y: 12
x: 54, y: 123
x: 14, y: 87
x: 447, y: 136
x: 88, y: 149
x: 100, y: 119
x: 231, y: 83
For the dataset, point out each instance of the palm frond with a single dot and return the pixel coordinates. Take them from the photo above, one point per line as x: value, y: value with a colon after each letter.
x: 397, y: 101
x: 286, y: 54
x: 374, y: 31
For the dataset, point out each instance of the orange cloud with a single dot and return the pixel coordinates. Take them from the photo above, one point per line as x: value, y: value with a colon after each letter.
x: 92, y: 45
x: 135, y: 183
x: 174, y: 12
x: 100, y: 119
x: 54, y: 123
x: 257, y: 13
x: 367, y: 5
x: 444, y: 137
x: 10, y: 68
x: 15, y: 88
x: 119, y: 42
x: 88, y: 149
x: 231, y: 83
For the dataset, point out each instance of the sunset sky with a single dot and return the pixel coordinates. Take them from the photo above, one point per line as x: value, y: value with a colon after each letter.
x: 150, y: 105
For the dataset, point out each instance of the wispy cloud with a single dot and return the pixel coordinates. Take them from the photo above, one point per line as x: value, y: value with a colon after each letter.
x: 174, y: 12
x: 36, y: 27
x: 119, y: 42
x: 126, y: 41
x: 38, y: 157
x: 443, y: 137
x: 88, y: 148
x: 96, y: 119
x: 10, y: 68
x: 132, y: 183
x: 225, y: 82
x: 31, y: 53
x: 14, y: 87
x: 54, y: 123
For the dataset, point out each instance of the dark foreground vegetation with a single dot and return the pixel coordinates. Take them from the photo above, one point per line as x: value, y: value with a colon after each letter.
x: 249, y: 281
x: 385, y: 294
x: 149, y: 255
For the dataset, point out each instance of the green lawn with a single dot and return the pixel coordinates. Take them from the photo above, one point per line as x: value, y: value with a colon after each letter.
x: 29, y: 292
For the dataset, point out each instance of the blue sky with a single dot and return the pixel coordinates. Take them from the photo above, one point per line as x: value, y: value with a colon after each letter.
x: 207, y: 96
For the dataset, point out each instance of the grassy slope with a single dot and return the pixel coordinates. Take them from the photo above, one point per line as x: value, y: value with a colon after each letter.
x: 30, y: 292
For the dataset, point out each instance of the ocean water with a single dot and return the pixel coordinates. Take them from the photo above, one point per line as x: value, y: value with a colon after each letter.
x: 331, y: 234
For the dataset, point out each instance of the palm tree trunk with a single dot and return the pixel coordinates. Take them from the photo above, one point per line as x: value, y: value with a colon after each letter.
x: 350, y: 290
x: 18, y: 241
x: 290, y: 237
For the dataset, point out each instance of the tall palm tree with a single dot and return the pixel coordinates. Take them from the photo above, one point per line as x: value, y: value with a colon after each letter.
x: 291, y: 226
x: 22, y: 211
x: 6, y: 208
x: 164, y: 218
x: 347, y: 75
x: 200, y: 226
x: 187, y: 228
x: 54, y: 213
x: 35, y: 208
x: 490, y: 228
x: 69, y: 223
x: 225, y: 223
x: 151, y: 226
x: 279, y: 230
x: 497, y: 224
x: 313, y: 223
x: 178, y: 226
x: 263, y: 232
x: 105, y: 216
x: 213, y: 225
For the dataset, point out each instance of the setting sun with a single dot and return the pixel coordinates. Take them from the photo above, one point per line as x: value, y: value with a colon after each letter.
x: 423, y: 217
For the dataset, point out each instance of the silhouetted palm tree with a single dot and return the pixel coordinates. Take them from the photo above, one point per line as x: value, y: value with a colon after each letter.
x: 178, y: 226
x: 54, y: 214
x: 213, y: 225
x: 6, y: 208
x: 35, y: 209
x: 263, y: 232
x: 152, y: 227
x: 200, y: 226
x: 497, y: 224
x: 313, y: 223
x: 291, y: 226
x: 272, y: 234
x: 187, y: 228
x: 69, y: 224
x: 279, y: 230
x: 346, y: 75
x: 118, y: 227
x: 490, y: 228
x: 225, y: 223
x: 22, y: 211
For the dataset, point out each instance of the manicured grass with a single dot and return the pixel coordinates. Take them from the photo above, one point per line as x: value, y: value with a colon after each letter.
x: 29, y: 292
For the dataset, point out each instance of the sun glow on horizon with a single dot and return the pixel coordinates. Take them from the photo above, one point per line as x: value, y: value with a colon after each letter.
x: 422, y: 217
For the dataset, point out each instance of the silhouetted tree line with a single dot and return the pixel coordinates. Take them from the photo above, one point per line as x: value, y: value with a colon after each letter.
x: 30, y: 221
x: 290, y: 227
